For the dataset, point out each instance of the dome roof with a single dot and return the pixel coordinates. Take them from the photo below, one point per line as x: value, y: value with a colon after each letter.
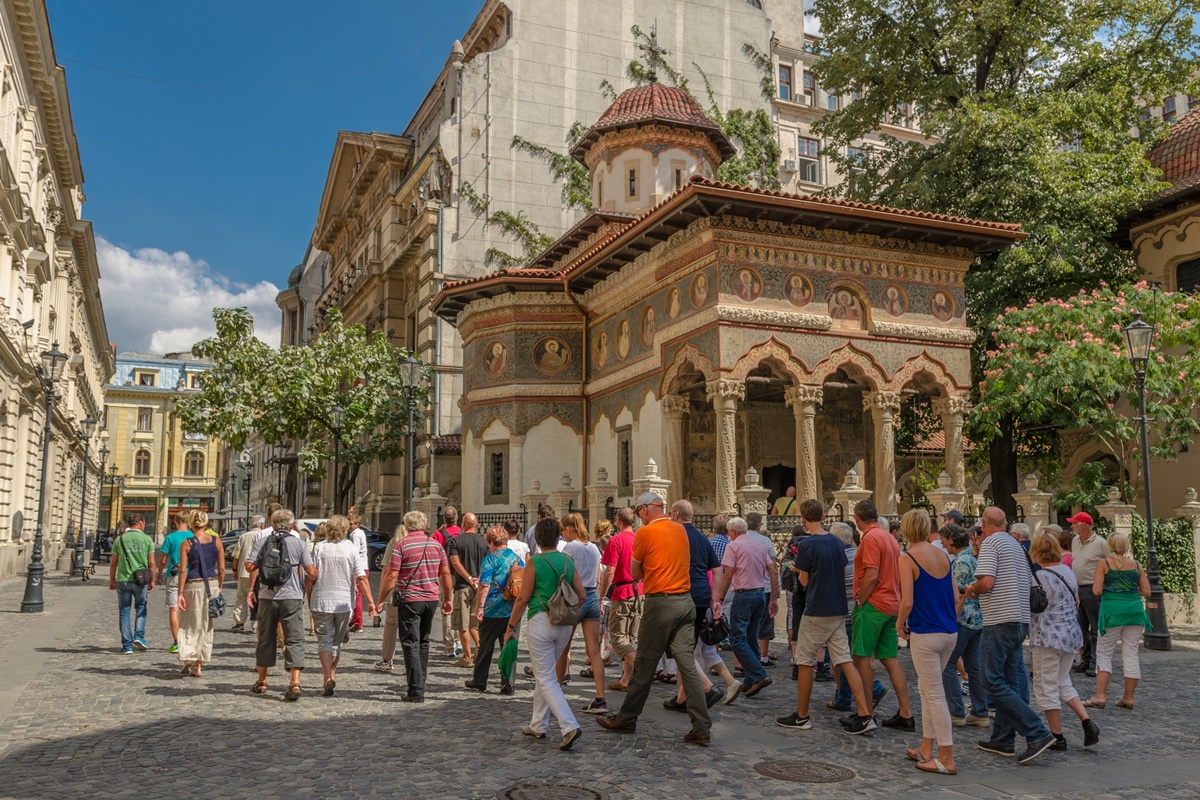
x: 1178, y: 155
x: 651, y: 104
x: 294, y: 277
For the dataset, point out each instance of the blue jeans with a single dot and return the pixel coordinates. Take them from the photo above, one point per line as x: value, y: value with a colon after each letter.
x: 1004, y: 672
x: 967, y: 648
x: 843, y: 697
x: 131, y: 597
x: 744, y: 615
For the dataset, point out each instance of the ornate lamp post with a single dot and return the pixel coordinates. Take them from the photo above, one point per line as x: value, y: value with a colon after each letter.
x: 88, y: 426
x: 336, y: 422
x: 410, y: 371
x: 1139, y: 336
x: 99, y: 498
x: 52, y: 364
x: 280, y: 450
x: 112, y: 500
x: 249, y: 465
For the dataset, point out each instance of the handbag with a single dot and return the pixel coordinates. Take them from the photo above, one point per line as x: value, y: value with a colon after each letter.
x: 1038, y: 599
x: 713, y: 631
x: 515, y: 580
x: 216, y: 605
x: 397, y: 592
x: 563, y: 606
x: 143, y: 576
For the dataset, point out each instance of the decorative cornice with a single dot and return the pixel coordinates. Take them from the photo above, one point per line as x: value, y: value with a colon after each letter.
x: 769, y: 316
x: 520, y: 391
x: 924, y: 332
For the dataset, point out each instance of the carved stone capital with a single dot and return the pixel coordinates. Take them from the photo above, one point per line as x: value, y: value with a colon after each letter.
x: 948, y: 406
x: 674, y: 405
x: 804, y: 397
x: 726, y: 392
x: 924, y: 332
x: 882, y: 402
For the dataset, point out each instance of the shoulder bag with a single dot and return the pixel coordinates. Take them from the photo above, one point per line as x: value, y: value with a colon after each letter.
x: 1064, y: 583
x: 1038, y: 600
x: 216, y: 605
x: 516, y: 579
x: 143, y: 576
x: 398, y: 592
x: 563, y: 606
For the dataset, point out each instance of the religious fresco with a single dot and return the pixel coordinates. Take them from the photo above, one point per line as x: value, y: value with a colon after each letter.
x: 673, y: 304
x: 895, y: 302
x: 798, y: 290
x: 601, y: 356
x: 623, y: 339
x: 495, y: 359
x: 747, y: 284
x: 846, y: 310
x: 699, y: 290
x: 551, y: 356
x: 647, y: 326
x: 941, y: 306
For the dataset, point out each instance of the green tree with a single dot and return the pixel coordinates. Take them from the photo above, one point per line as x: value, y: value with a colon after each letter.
x: 292, y: 393
x: 1030, y: 110
x: 1064, y: 364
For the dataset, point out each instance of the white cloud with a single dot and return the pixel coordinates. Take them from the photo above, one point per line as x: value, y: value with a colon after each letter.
x: 160, y: 302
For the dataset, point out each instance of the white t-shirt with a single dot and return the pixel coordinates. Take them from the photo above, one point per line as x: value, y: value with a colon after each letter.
x: 338, y: 567
x: 360, y: 541
x: 587, y: 561
x: 520, y: 548
x: 1003, y: 558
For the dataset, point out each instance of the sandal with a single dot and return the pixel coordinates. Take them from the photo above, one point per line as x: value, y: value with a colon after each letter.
x: 259, y: 687
x: 1122, y: 704
x: 196, y: 669
x: 1092, y: 702
x: 616, y: 686
x: 937, y: 767
x: 914, y: 754
x: 330, y: 685
x: 293, y: 693
x: 187, y: 668
x: 586, y: 672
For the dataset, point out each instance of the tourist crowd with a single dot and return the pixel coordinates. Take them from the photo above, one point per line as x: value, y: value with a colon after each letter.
x: 657, y: 598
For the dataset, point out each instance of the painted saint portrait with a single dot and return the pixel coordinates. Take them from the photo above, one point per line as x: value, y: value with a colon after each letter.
x: 894, y: 301
x: 646, y: 327
x: 699, y: 290
x: 551, y: 356
x: 844, y: 307
x: 673, y: 303
x: 623, y: 339
x: 601, y: 349
x: 495, y: 359
x: 941, y: 305
x: 747, y: 285
x: 797, y: 290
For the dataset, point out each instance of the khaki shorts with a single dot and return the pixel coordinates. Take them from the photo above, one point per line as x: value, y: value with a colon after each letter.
x: 462, y: 616
x: 818, y: 632
x: 624, y: 619
x: 172, y: 592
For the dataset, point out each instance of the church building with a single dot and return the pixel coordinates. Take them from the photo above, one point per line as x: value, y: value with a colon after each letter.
x: 711, y: 328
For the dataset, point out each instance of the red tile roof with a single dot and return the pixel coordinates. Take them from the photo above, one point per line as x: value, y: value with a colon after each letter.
x: 1178, y: 155
x: 447, y: 444
x: 654, y: 103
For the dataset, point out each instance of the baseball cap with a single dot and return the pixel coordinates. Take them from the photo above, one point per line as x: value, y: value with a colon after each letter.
x: 1083, y: 517
x: 648, y: 499
x: 954, y: 515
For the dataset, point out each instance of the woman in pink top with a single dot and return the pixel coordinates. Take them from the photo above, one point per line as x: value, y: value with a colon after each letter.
x: 1064, y: 541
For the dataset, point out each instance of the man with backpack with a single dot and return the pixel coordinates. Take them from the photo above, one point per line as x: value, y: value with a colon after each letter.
x: 280, y: 561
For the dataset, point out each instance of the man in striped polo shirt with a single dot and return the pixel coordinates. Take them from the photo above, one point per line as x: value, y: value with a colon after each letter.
x: 418, y: 571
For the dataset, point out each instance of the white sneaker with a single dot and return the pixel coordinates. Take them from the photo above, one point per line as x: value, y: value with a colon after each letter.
x: 732, y: 692
x: 383, y: 666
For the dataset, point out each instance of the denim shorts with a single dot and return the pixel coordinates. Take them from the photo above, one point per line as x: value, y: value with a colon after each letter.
x: 590, y: 608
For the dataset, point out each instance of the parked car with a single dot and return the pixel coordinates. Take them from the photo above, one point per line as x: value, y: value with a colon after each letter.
x: 376, y: 549
x: 229, y: 542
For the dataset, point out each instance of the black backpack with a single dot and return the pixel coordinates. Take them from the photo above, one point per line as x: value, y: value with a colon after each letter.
x: 273, y: 565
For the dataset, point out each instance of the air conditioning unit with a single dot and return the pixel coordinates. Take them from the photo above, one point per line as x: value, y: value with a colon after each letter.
x: 789, y: 165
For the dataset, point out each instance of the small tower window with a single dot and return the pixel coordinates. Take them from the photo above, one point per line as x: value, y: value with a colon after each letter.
x: 633, y: 183
x: 678, y: 178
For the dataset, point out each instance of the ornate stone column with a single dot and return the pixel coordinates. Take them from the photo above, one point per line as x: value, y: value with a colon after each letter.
x: 1118, y: 513
x: 1034, y: 503
x: 952, y: 410
x: 724, y: 394
x: 565, y: 497
x: 849, y: 494
x: 598, y: 494
x: 674, y: 407
x: 885, y: 409
x: 804, y: 401
x: 651, y: 482
x: 753, y: 496
x: 532, y: 499
x: 429, y: 502
x: 944, y: 498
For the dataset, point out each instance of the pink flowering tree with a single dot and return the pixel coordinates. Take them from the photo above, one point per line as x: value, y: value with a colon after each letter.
x: 1063, y: 363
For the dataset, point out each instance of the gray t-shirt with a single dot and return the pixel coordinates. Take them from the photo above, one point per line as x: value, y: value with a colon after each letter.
x: 297, y: 554
x: 587, y: 561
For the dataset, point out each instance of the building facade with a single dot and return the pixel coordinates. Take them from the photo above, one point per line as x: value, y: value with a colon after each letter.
x: 49, y: 294
x: 165, y: 469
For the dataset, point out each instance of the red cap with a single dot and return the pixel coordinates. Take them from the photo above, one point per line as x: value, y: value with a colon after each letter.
x: 1083, y: 517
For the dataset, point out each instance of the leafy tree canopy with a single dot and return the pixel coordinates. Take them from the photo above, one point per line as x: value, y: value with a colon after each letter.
x: 291, y: 393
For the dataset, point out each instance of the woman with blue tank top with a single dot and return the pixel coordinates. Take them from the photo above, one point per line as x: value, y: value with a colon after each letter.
x: 928, y: 619
x: 201, y: 574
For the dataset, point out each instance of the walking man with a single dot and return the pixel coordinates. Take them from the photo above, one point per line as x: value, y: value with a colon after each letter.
x: 241, y: 554
x: 1087, y: 550
x: 280, y: 598
x: 1002, y: 581
x: 766, y: 625
x: 625, y: 612
x: 747, y: 566
x: 130, y: 553
x: 168, y: 571
x: 466, y: 552
x: 877, y: 598
x: 359, y: 537
x: 450, y: 645
x: 661, y: 562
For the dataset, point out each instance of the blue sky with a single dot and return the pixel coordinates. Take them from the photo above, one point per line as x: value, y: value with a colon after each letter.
x: 200, y: 195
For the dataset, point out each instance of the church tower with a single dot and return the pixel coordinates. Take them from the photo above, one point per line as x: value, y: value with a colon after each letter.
x: 647, y: 145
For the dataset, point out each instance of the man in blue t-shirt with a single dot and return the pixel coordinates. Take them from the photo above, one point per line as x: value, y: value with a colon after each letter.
x: 821, y: 569
x: 168, y: 568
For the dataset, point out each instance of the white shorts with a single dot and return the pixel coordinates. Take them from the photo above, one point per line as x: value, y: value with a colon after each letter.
x: 172, y: 593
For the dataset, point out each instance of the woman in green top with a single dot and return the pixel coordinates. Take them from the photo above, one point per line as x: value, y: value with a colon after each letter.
x: 1121, y: 584
x: 545, y: 640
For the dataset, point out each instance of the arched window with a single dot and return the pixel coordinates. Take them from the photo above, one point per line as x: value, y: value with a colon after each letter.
x: 193, y: 464
x: 1187, y: 276
x: 141, y: 463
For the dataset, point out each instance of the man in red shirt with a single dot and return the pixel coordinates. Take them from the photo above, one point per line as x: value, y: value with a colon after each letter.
x: 450, y: 530
x: 877, y: 602
x: 625, y: 613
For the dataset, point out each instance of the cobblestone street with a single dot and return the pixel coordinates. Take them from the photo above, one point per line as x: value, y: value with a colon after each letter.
x: 82, y: 721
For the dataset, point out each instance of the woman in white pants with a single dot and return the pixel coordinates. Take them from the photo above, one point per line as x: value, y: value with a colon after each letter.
x: 545, y: 640
x: 1056, y: 637
x: 1121, y: 584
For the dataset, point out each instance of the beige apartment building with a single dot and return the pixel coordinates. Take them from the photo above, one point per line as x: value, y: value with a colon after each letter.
x: 49, y: 295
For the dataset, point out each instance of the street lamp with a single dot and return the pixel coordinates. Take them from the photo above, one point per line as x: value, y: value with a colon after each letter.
x: 52, y: 364
x: 99, y: 498
x: 337, y: 420
x: 246, y: 488
x: 88, y: 426
x: 410, y: 373
x: 112, y: 499
x: 1139, y: 336
x: 280, y: 450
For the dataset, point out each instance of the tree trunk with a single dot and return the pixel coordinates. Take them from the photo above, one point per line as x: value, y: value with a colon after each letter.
x: 1004, y: 468
x: 349, y: 478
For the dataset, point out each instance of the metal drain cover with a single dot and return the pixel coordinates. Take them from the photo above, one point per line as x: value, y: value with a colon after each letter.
x: 803, y: 771
x: 550, y: 791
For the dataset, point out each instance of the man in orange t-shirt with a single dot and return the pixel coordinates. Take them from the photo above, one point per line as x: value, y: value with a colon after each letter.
x: 661, y: 559
x: 876, y: 604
